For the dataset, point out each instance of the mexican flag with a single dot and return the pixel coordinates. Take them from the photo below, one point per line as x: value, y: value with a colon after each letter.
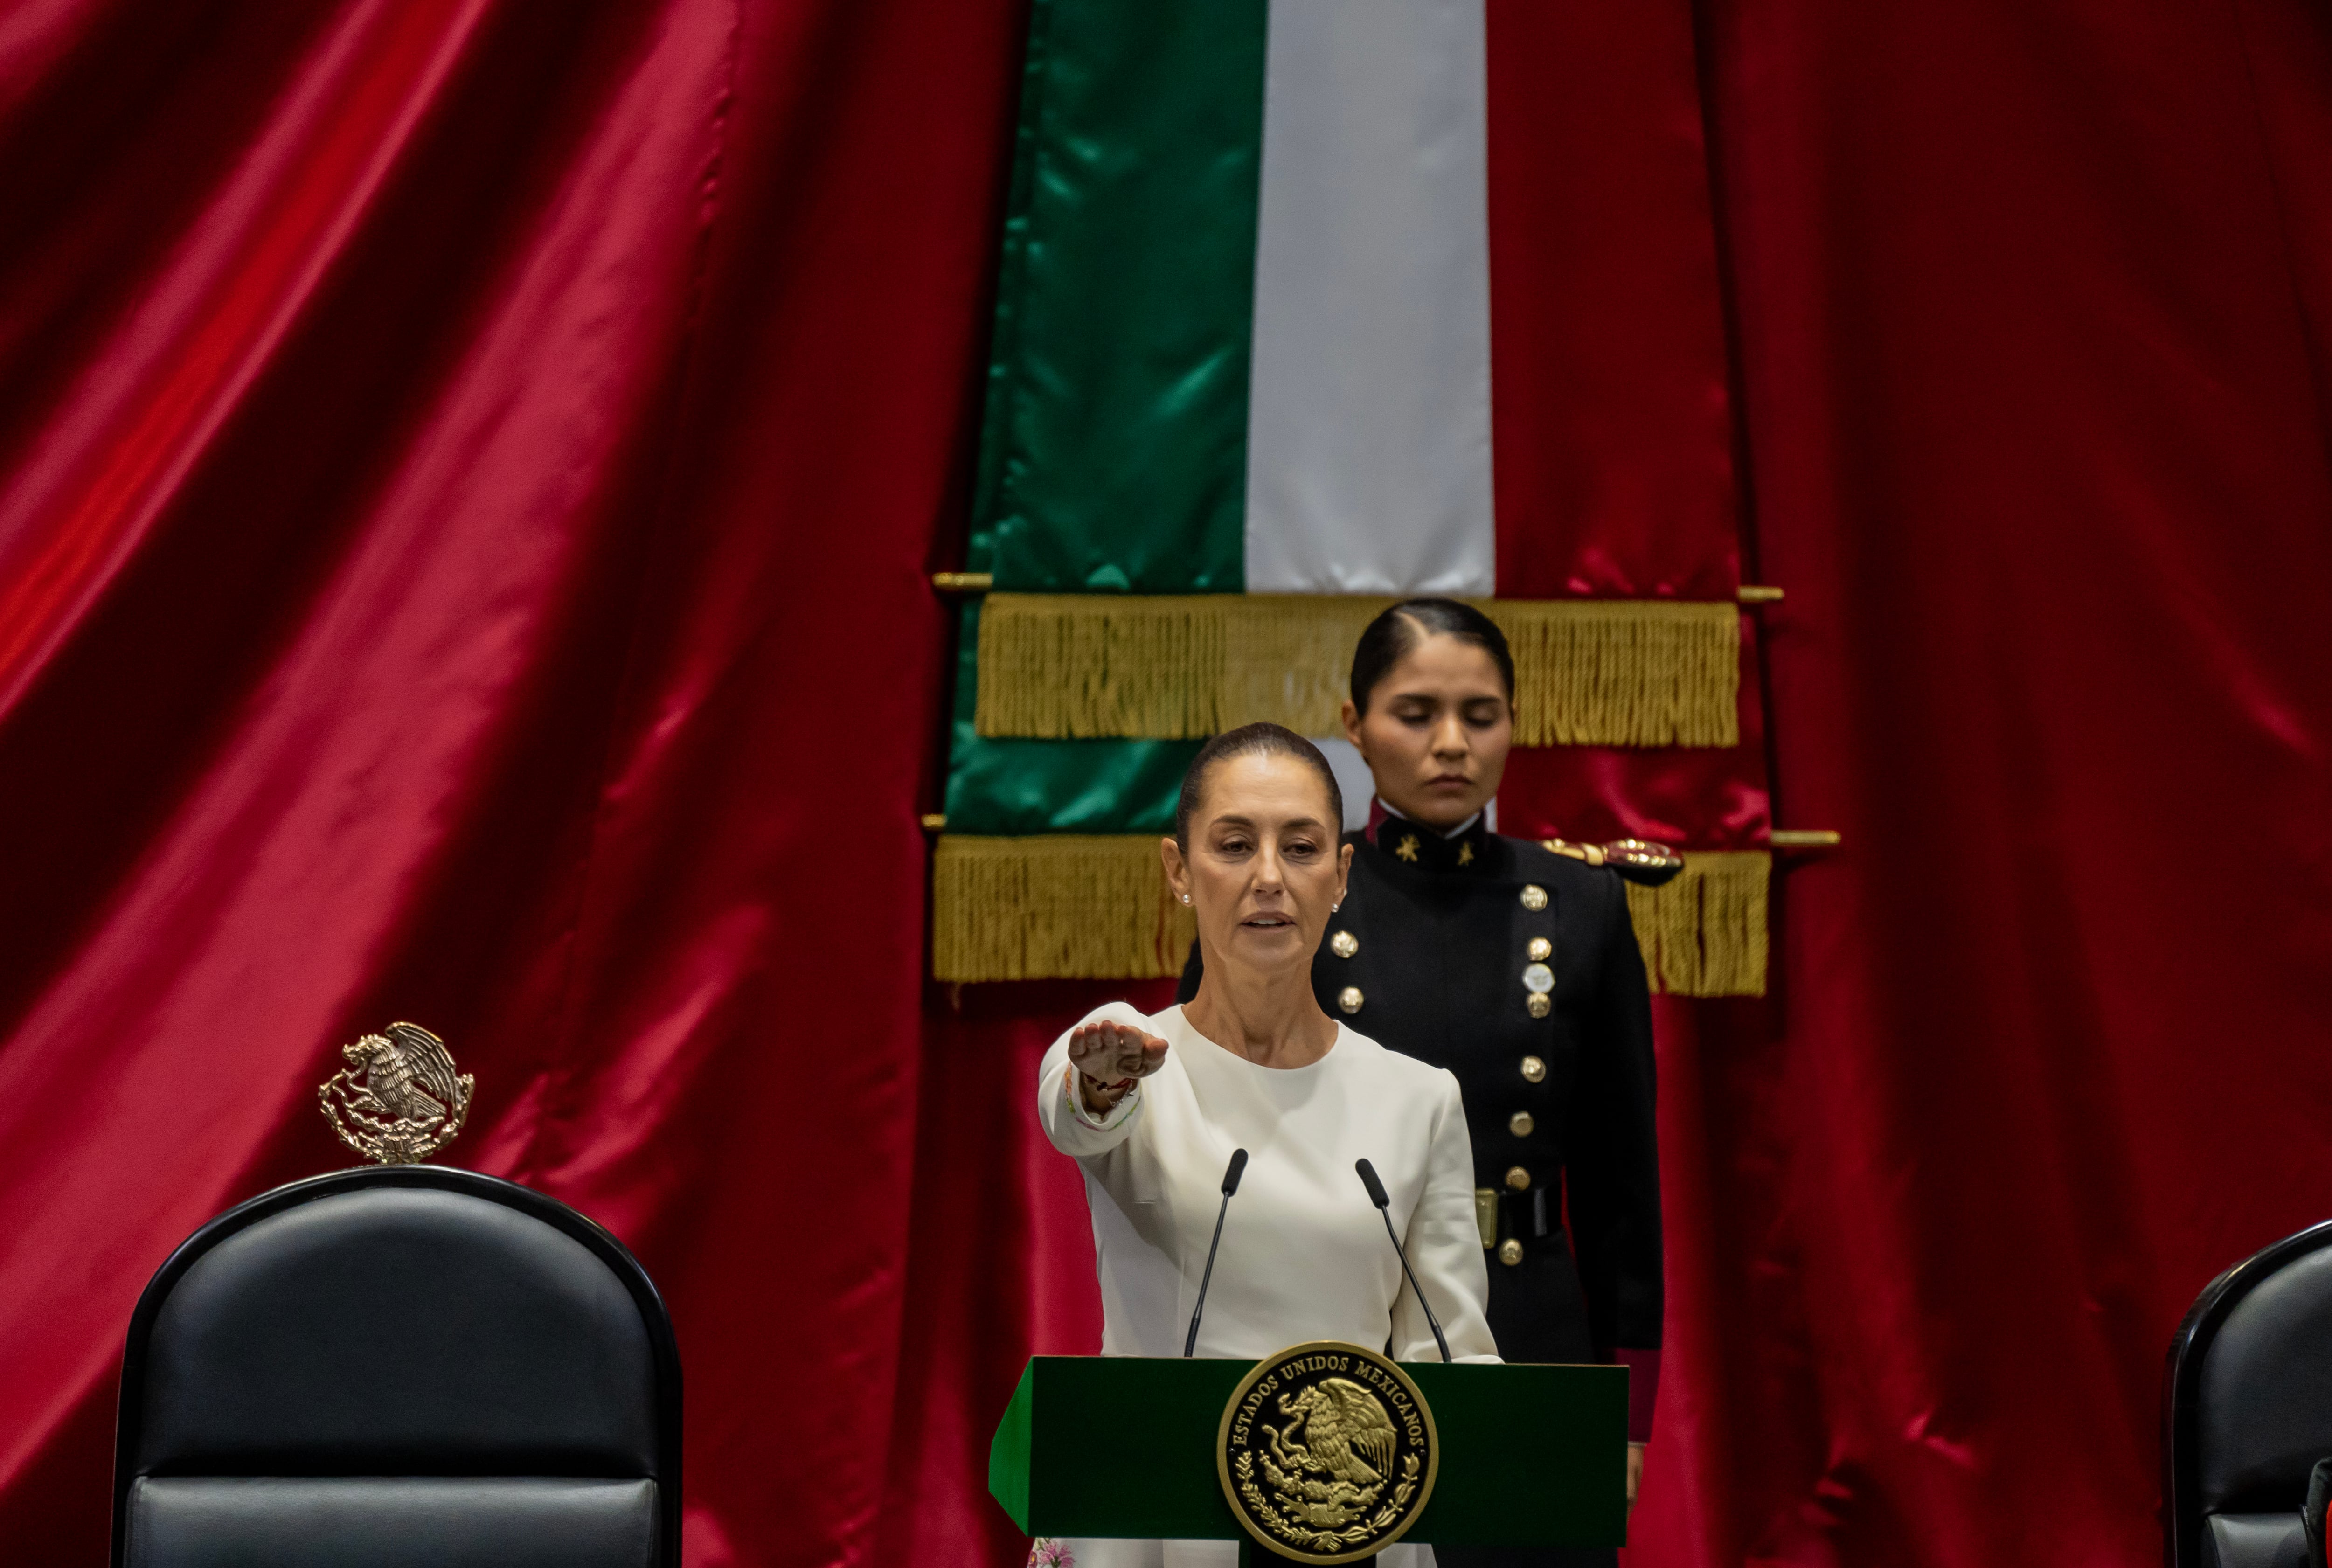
x: 1281, y: 336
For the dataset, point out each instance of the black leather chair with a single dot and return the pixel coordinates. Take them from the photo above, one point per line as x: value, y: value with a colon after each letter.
x: 394, y: 1367
x: 2247, y: 1409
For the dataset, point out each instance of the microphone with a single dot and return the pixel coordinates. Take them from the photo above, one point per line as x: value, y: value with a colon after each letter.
x: 1231, y: 1174
x: 1384, y: 1212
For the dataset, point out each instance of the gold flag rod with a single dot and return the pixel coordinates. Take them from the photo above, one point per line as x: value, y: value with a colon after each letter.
x: 980, y: 583
x: 1805, y: 839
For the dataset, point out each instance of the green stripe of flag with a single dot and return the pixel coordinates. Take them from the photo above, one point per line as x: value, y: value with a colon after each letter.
x: 1013, y: 788
x: 1114, y: 452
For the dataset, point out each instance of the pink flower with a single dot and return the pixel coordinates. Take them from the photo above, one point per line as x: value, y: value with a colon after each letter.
x: 1045, y: 1553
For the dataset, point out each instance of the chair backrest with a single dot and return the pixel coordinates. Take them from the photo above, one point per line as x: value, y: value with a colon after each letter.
x: 402, y: 1364
x: 2246, y: 1407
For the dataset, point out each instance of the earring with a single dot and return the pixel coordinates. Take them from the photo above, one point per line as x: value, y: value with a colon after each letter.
x: 1335, y: 907
x: 1186, y: 898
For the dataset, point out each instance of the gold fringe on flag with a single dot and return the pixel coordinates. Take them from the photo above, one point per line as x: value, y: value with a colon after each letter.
x: 1069, y: 907
x: 1704, y: 933
x: 1587, y: 672
x: 1622, y: 672
x: 1060, y: 906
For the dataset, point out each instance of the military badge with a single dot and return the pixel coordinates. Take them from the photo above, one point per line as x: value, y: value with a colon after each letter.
x: 397, y: 1101
x: 1327, y: 1452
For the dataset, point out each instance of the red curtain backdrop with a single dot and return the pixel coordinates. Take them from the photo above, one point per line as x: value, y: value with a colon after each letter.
x: 2031, y: 299
x: 467, y: 472
x: 471, y: 472
x: 1613, y: 428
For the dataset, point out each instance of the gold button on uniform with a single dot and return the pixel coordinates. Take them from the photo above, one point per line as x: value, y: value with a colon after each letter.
x: 1348, y: 998
x: 1533, y: 897
x: 1518, y: 1179
x: 1538, y: 980
x: 1510, y: 1252
x: 1520, y: 1124
x: 1540, y: 1004
x: 1533, y: 1069
x: 1540, y: 950
x: 1343, y: 944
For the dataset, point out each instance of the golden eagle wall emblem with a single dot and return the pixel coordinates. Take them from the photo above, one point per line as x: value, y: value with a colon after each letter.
x: 397, y: 1101
x: 1327, y: 1452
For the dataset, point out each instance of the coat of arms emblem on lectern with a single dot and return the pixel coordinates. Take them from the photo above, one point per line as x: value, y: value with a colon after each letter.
x: 1327, y: 1452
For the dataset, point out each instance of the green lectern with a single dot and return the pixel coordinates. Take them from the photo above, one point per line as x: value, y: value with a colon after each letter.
x: 1522, y: 1456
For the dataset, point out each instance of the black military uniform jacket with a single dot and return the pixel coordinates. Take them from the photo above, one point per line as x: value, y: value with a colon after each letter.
x: 1516, y: 969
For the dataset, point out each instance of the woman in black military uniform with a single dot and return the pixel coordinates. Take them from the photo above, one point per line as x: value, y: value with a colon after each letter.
x: 1513, y: 965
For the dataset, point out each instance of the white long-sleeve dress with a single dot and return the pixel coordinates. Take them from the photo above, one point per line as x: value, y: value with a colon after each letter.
x: 1304, y: 1253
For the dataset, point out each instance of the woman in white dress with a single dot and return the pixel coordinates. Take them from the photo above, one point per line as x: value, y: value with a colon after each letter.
x: 1152, y: 1108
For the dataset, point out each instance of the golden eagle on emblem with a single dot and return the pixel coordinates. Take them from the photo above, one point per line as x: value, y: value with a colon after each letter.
x: 399, y: 1101
x: 1345, y: 1430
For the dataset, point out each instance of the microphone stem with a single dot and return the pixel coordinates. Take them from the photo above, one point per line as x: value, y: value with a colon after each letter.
x: 1190, y: 1340
x: 1397, y: 1251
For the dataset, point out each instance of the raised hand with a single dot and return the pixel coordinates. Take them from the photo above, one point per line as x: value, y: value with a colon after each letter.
x: 1110, y: 1057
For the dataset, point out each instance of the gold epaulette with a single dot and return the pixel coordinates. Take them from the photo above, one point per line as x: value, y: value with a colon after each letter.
x: 1590, y: 853
x: 1638, y: 860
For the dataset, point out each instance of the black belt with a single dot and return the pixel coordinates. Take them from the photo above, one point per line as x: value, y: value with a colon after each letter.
x: 1532, y: 1215
x: 1528, y: 1215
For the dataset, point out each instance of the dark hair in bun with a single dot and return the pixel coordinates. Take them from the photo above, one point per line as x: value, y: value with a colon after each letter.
x: 1253, y: 740
x: 1391, y: 635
